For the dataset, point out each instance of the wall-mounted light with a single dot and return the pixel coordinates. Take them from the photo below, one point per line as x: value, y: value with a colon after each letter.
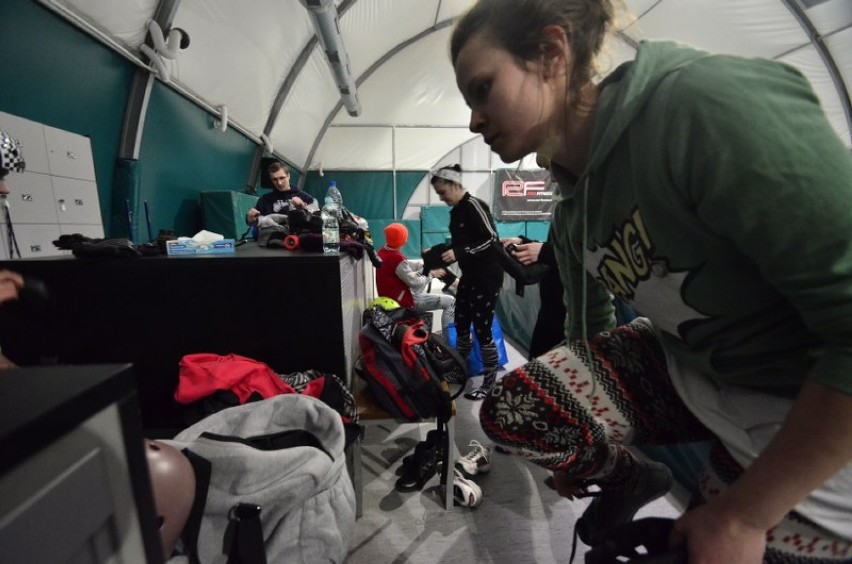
x: 327, y: 26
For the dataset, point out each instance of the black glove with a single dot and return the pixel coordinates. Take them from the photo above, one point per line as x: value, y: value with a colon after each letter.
x: 106, y: 248
x: 448, y: 278
x: 432, y: 257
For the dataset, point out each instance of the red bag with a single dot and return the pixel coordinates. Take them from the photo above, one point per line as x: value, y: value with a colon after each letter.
x: 203, y: 374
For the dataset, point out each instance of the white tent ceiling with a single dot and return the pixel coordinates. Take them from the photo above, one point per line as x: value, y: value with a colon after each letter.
x: 261, y: 61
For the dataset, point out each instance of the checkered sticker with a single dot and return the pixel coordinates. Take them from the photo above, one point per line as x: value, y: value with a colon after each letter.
x: 11, y: 153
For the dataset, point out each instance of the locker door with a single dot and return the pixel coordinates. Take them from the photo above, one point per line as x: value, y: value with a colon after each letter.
x: 69, y: 154
x: 76, y: 201
x: 37, y: 241
x: 87, y: 230
x: 30, y: 199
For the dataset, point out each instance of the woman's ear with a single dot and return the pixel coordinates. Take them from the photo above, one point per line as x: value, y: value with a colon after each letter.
x: 554, y: 51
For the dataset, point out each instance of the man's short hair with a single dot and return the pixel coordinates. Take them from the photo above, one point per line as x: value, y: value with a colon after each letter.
x: 276, y: 166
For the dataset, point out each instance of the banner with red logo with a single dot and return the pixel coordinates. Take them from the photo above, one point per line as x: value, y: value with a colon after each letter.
x: 523, y: 195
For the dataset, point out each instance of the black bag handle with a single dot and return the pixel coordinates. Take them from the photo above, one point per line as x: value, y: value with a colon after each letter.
x: 246, y: 535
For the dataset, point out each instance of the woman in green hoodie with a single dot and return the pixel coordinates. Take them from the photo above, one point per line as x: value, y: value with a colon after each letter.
x: 710, y: 193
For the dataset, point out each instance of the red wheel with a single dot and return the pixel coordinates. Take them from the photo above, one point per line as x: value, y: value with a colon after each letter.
x: 291, y: 242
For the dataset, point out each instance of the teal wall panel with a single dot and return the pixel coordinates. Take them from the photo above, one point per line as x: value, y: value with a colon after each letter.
x: 183, y: 154
x: 537, y: 230
x: 510, y: 228
x: 41, y: 78
x: 435, y: 225
x: 406, y: 183
x: 369, y: 194
x: 366, y: 193
x: 435, y: 218
x: 224, y: 212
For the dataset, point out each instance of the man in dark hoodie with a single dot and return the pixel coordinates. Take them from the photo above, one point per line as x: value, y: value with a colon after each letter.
x: 690, y: 185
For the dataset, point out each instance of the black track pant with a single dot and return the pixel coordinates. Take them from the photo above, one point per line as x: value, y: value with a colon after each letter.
x: 475, y: 304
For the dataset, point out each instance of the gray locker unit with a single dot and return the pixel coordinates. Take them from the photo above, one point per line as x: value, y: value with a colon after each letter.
x: 56, y: 195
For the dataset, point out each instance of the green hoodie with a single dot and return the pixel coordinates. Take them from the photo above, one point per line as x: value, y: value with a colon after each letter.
x: 717, y: 202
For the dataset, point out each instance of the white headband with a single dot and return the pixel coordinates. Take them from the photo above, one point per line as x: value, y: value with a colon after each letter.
x: 448, y: 174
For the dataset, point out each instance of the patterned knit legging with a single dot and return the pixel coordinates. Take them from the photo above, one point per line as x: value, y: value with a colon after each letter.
x: 561, y: 409
x: 475, y: 303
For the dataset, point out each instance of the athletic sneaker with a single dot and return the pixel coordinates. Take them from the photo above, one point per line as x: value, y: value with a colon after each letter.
x: 434, y: 437
x: 465, y: 492
x: 475, y: 462
x: 482, y: 391
x: 423, y: 466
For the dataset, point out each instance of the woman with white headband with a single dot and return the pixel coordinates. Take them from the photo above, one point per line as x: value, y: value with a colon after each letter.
x: 472, y: 231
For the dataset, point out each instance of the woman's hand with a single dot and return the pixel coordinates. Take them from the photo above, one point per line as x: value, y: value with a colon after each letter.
x: 567, y: 486
x: 6, y: 363
x: 10, y: 285
x: 448, y: 257
x: 713, y: 536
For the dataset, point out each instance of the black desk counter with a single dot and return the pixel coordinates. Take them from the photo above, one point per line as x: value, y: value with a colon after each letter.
x: 292, y: 310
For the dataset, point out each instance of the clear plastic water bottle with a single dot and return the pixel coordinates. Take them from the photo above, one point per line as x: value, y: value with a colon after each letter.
x: 330, y: 227
x: 334, y: 194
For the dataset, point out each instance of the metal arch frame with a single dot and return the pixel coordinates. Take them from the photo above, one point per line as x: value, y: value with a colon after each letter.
x: 281, y: 98
x: 815, y: 39
x: 366, y: 74
x: 824, y: 52
x: 275, y: 110
x: 287, y: 86
x: 437, y: 26
x: 140, y: 90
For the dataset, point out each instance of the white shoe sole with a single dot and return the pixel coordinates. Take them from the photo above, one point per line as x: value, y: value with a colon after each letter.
x: 466, y: 492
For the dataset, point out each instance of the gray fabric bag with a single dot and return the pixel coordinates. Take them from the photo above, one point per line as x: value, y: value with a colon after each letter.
x: 284, y: 454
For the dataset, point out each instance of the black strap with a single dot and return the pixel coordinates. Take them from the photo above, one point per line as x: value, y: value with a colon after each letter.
x: 203, y: 469
x: 13, y: 241
x: 246, y: 535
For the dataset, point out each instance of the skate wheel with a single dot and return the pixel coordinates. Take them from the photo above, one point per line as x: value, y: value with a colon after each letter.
x: 291, y: 242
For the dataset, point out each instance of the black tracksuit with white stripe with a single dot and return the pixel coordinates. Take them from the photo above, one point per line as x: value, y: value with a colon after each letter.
x: 472, y: 229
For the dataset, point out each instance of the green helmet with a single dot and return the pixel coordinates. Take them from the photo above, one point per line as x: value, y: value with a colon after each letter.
x: 384, y: 303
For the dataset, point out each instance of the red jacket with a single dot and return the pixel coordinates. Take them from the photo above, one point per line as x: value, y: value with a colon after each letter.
x: 387, y: 282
